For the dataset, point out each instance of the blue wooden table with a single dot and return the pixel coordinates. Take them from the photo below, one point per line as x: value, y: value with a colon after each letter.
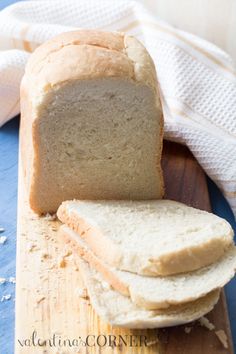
x: 8, y: 205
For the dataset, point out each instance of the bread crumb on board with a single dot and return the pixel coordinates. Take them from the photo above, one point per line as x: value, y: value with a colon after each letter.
x: 67, y: 253
x: 3, y: 239
x: 32, y: 247
x: 45, y: 255
x: 40, y: 299
x: 50, y: 217
x: 222, y: 337
x: 152, y: 342
x: 106, y: 285
x: 204, y: 322
x: 187, y: 329
x: 62, y: 262
x: 82, y: 292
x: 62, y: 259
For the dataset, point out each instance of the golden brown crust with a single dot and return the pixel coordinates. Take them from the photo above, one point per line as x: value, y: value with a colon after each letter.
x: 111, y: 40
x: 88, y: 54
x: 82, y: 62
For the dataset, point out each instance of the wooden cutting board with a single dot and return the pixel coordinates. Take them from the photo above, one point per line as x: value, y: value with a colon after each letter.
x: 49, y: 290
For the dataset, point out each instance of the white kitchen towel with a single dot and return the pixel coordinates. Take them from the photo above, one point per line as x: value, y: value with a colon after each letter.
x: 197, y: 80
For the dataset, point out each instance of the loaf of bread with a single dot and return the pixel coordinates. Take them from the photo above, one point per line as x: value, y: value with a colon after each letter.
x: 91, y: 120
x: 153, y: 237
x: 153, y: 293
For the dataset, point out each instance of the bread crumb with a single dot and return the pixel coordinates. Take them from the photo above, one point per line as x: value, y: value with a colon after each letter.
x: 40, y: 299
x: 32, y: 247
x: 204, y: 322
x: 222, y: 337
x: 52, y: 266
x: 43, y: 277
x: 50, y: 217
x: 105, y: 285
x: 44, y: 255
x: 12, y: 280
x: 3, y: 239
x: 67, y: 253
x: 62, y: 263
x: 6, y: 297
x: 2, y: 229
x: 62, y: 259
x: 2, y: 280
x: 152, y: 342
x: 82, y: 292
x: 187, y: 329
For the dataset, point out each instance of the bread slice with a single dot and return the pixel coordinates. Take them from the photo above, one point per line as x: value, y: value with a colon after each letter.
x: 91, y: 120
x: 158, y: 292
x: 155, y: 237
x: 120, y: 311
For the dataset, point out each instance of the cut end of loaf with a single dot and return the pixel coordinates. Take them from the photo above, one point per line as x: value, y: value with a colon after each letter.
x: 108, y: 147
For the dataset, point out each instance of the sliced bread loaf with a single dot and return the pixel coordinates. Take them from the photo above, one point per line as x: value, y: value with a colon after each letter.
x: 159, y: 237
x: 158, y: 292
x: 91, y: 120
x: 120, y: 311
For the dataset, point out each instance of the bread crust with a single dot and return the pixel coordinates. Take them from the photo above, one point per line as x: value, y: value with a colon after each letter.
x: 88, y: 54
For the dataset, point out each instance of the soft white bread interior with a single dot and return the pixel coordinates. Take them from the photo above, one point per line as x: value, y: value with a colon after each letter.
x: 120, y: 311
x: 157, y: 292
x: 159, y: 237
x: 91, y: 120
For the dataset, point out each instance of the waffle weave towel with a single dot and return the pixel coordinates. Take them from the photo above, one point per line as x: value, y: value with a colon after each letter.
x: 197, y: 79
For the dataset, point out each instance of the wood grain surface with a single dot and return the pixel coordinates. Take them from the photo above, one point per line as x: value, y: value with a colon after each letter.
x: 48, y: 293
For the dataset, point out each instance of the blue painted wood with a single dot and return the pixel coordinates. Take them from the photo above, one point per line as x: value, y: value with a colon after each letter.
x: 5, y: 3
x: 8, y: 203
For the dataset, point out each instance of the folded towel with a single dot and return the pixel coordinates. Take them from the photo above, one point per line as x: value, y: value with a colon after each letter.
x: 197, y: 80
